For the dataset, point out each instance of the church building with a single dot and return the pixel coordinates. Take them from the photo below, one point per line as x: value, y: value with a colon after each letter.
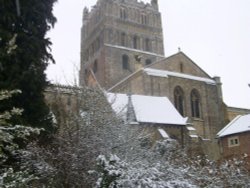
x: 116, y: 33
x: 122, y: 51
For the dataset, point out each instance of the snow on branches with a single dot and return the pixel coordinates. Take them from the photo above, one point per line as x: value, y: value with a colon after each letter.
x: 13, y: 139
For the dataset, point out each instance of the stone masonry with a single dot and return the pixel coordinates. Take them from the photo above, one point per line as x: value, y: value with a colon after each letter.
x: 116, y: 34
x: 122, y: 41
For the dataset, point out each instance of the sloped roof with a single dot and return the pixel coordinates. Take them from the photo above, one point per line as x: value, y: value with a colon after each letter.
x: 119, y: 103
x: 164, y: 73
x: 147, y: 109
x: 237, y: 125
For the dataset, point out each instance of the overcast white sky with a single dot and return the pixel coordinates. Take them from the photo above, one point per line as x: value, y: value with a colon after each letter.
x: 215, y: 34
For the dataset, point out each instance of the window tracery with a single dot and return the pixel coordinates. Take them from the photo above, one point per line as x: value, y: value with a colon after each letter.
x: 179, y: 100
x: 195, y: 104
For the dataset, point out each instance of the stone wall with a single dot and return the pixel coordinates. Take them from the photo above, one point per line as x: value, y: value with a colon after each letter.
x: 64, y: 103
x: 240, y: 151
x: 211, y: 120
x: 115, y: 28
x: 181, y: 63
x: 237, y: 150
x: 233, y: 112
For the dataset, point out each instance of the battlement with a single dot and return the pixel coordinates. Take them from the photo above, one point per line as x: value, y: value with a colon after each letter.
x: 128, y: 3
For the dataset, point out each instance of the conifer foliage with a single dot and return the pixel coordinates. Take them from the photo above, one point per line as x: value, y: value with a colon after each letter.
x: 13, y: 140
x: 24, y: 57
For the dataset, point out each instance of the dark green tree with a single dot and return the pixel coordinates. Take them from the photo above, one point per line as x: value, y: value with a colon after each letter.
x: 24, y: 57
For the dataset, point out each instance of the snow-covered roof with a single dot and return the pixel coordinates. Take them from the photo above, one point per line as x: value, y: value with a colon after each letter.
x: 237, y: 125
x: 164, y: 73
x: 119, y: 103
x: 135, y: 50
x: 193, y: 136
x: 147, y: 109
x: 163, y: 133
x: 150, y: 109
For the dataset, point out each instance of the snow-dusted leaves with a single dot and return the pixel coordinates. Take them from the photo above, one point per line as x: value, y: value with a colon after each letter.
x: 12, y: 139
x: 167, y: 166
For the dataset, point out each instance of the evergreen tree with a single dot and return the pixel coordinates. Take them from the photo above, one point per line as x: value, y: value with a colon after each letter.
x: 13, y: 141
x: 24, y: 57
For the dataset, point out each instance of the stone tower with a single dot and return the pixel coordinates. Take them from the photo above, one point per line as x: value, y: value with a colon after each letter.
x: 117, y: 38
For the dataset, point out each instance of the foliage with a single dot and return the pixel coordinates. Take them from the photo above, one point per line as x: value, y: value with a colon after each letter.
x: 24, y: 56
x: 12, y: 179
x: 13, y: 139
x: 229, y: 173
x: 85, y: 131
x: 109, y: 170
x: 167, y: 165
x: 153, y: 171
x: 94, y: 148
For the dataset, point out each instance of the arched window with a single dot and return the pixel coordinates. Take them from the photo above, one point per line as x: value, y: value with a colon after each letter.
x: 69, y: 101
x: 97, y: 43
x: 179, y: 100
x: 135, y: 42
x: 125, y: 62
x: 95, y: 66
x: 123, y: 13
x: 195, y: 104
x: 144, y: 20
x: 123, y: 39
x: 85, y: 71
x: 148, y: 61
x: 181, y: 67
x: 87, y: 55
x: 147, y: 45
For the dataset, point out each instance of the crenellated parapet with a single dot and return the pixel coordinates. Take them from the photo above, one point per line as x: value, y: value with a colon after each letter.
x: 85, y: 13
x: 128, y: 3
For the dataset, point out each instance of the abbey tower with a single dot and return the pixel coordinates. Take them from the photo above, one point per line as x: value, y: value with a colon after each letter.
x: 122, y: 51
x: 117, y: 38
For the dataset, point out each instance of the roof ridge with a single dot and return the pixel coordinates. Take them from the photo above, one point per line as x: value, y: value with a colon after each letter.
x: 182, y: 75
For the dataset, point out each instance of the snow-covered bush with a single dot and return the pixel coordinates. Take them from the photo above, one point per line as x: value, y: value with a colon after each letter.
x: 70, y: 159
x: 13, y: 139
x: 86, y: 130
x: 12, y: 179
x: 152, y: 172
x: 168, y: 166
x: 109, y: 171
x: 228, y: 173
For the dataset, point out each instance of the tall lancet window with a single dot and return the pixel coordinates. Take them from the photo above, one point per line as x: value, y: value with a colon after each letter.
x: 195, y: 104
x: 123, y: 39
x: 95, y: 66
x: 123, y: 13
x: 125, y: 62
x: 147, y: 45
x: 179, y: 100
x: 135, y: 42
